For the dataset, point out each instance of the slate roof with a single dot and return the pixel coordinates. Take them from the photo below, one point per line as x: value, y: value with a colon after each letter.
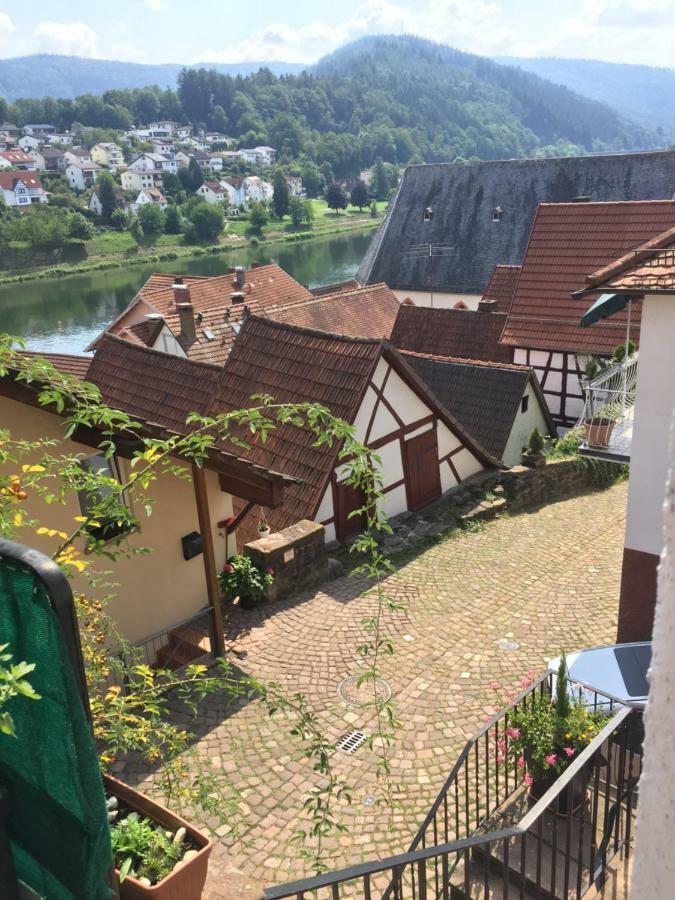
x: 648, y: 269
x: 364, y: 312
x: 460, y: 333
x: 463, y: 197
x: 483, y: 397
x: 502, y: 286
x: 568, y: 241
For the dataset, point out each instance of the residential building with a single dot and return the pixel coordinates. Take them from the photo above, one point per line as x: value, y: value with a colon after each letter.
x: 64, y: 138
x: 258, y: 156
x: 82, y: 175
x: 39, y: 131
x: 17, y: 159
x: 149, y: 195
x: 641, y: 282
x: 567, y: 241
x: 154, y: 162
x: 48, y: 159
x: 21, y: 189
x: 159, y: 391
x: 7, y: 143
x: 256, y: 190
x: 28, y: 143
x: 94, y: 204
x: 295, y: 185
x: 134, y: 180
x: 430, y: 209
x: 9, y: 129
x: 213, y: 192
x: 162, y: 145
x: 108, y: 154
x: 164, y: 128
x: 235, y: 190
x: 77, y: 155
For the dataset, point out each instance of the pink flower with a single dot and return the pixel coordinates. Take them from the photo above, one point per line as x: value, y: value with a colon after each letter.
x: 520, y: 762
x: 525, y: 681
x: 513, y: 733
x: 495, y: 685
x: 500, y: 758
x: 569, y: 751
x: 501, y: 745
x: 550, y: 759
x: 528, y: 779
x: 228, y: 568
x: 269, y: 571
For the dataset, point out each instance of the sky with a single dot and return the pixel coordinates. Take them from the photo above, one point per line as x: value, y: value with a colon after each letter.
x: 178, y: 31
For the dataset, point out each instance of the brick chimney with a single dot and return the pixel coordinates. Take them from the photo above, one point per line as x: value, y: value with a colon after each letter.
x: 186, y: 314
x: 239, y: 277
x: 486, y: 305
x: 181, y: 292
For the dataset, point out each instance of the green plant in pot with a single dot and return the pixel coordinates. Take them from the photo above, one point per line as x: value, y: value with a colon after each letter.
x: 240, y: 577
x: 533, y: 454
x: 545, y: 735
x: 599, y: 427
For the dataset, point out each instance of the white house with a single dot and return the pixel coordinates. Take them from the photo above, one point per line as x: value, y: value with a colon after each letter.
x: 28, y: 143
x: 133, y: 180
x: 77, y: 155
x: 235, y: 191
x: 48, y: 159
x: 256, y: 190
x: 82, y: 175
x: 108, y: 154
x: 21, y: 189
x: 95, y: 206
x: 258, y: 156
x: 149, y: 195
x: 213, y: 192
x: 162, y: 145
x: 39, y: 131
x: 63, y: 137
x: 154, y: 162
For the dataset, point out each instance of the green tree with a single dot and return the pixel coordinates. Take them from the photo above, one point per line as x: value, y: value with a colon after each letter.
x: 359, y: 195
x: 80, y: 228
x: 380, y: 183
x: 172, y: 220
x: 195, y: 174
x: 312, y: 179
x: 136, y: 231
x: 43, y: 228
x: 105, y: 187
x: 119, y: 218
x: 151, y: 218
x: 335, y: 198
x: 207, y: 221
x: 281, y: 197
x: 297, y: 211
x: 257, y: 217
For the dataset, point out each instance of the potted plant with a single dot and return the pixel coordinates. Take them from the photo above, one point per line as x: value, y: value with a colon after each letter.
x: 533, y: 454
x: 156, y: 853
x: 599, y: 427
x: 264, y: 529
x: 545, y: 735
x: 241, y: 578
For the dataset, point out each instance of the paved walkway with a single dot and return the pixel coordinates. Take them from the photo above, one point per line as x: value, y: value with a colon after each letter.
x: 481, y: 607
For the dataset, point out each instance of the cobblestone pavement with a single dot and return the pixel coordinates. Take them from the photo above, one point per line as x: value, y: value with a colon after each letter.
x: 481, y: 607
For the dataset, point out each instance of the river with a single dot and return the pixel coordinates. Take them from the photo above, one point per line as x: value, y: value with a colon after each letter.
x: 65, y: 314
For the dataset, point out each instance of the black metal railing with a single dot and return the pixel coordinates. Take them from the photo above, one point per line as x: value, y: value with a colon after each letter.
x: 555, y: 847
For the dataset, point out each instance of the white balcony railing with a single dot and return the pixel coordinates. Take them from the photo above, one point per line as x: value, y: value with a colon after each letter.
x: 607, y: 419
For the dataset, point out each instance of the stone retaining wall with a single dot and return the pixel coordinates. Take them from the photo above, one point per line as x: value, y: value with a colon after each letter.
x: 297, y: 555
x: 558, y: 479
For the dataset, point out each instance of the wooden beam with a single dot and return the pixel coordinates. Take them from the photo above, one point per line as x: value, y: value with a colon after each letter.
x: 209, y: 556
x: 256, y: 489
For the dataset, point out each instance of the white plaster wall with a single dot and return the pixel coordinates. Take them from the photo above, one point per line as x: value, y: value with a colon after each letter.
x: 654, y: 860
x: 392, y: 464
x: 363, y: 415
x: 383, y: 423
x: 168, y: 343
x: 466, y: 464
x: 325, y: 510
x: 523, y: 426
x: 395, y: 502
x: 520, y: 356
x: 447, y: 441
x: 440, y: 300
x: 381, y: 370
x: 653, y: 414
x: 409, y: 408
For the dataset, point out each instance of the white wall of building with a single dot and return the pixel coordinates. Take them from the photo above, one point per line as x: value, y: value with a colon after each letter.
x: 440, y: 299
x: 523, y: 426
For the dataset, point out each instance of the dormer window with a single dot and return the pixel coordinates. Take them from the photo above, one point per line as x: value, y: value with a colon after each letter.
x: 428, y: 214
x: 497, y: 213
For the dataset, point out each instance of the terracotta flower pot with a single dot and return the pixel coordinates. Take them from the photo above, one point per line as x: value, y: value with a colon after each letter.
x: 598, y: 431
x: 187, y: 882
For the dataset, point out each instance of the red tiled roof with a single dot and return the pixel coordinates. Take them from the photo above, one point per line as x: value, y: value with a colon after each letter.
x: 365, y: 312
x: 501, y: 286
x: 459, y: 333
x: 66, y: 363
x: 215, y: 187
x: 350, y: 285
x: 650, y: 268
x: 16, y: 156
x: 8, y: 180
x: 568, y: 241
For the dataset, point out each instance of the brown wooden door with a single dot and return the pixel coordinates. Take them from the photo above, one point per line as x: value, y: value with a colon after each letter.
x: 422, y: 472
x: 347, y: 500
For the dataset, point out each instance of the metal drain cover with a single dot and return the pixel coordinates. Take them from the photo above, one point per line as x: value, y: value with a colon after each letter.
x: 508, y: 645
x: 368, y: 693
x: 350, y: 742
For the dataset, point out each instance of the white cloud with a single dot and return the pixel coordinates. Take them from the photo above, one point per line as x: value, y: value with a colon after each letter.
x: 156, y: 5
x: 6, y: 28
x: 68, y: 38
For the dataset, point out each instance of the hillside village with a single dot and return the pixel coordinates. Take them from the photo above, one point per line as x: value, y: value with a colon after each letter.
x: 386, y: 576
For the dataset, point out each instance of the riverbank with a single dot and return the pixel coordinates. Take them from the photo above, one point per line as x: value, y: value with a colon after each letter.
x: 165, y: 252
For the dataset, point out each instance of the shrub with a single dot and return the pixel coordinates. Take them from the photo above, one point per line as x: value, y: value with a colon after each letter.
x: 536, y: 442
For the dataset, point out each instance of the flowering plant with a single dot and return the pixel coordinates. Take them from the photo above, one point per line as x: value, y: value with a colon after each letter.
x: 546, y: 733
x: 240, y: 577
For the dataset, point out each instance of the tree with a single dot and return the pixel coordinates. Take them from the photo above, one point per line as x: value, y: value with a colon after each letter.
x: 297, y: 211
x: 359, y: 195
x: 136, y: 231
x: 172, y: 220
x: 119, y: 218
x: 80, y: 228
x: 105, y: 187
x: 380, y: 183
x: 282, y: 196
x: 207, y: 221
x: 257, y: 217
x: 312, y: 179
x: 195, y: 174
x: 219, y: 119
x: 43, y: 228
x: 151, y: 218
x: 335, y: 198
x: 171, y: 184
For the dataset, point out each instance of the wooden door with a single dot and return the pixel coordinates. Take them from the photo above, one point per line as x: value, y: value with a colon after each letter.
x: 422, y: 472
x: 348, y: 499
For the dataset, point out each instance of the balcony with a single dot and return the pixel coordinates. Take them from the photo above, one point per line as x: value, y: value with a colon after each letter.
x: 607, y: 418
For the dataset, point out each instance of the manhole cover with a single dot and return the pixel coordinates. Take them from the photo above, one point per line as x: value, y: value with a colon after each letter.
x: 508, y: 645
x: 350, y: 742
x: 369, y: 800
x: 368, y: 693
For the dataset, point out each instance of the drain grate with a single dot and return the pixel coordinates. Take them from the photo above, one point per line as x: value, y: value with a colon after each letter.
x: 350, y: 742
x: 368, y: 693
x: 508, y: 645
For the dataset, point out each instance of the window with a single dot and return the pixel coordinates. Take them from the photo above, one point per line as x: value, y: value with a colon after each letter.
x: 524, y: 403
x: 91, y: 501
x: 428, y: 214
x: 497, y: 213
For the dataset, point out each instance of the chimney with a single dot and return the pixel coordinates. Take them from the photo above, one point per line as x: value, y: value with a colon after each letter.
x: 186, y: 314
x: 181, y: 292
x: 486, y: 305
x: 237, y: 297
x: 239, y: 277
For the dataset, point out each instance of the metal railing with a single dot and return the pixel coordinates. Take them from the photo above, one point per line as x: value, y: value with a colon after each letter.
x: 607, y: 418
x: 460, y: 853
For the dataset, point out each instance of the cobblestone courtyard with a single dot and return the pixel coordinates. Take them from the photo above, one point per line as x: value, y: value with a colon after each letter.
x: 481, y: 607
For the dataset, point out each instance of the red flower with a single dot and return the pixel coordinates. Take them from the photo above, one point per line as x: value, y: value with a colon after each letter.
x: 228, y: 568
x: 269, y: 571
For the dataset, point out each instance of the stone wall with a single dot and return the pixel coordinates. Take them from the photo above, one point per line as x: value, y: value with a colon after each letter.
x: 297, y: 555
x: 559, y: 478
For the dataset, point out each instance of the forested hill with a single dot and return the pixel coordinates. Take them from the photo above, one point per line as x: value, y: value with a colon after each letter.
x: 399, y: 98
x: 644, y: 94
